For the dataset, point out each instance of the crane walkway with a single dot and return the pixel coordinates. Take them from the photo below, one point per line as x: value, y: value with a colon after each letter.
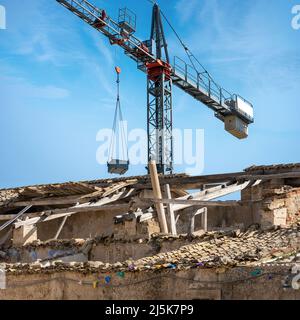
x: 202, y: 88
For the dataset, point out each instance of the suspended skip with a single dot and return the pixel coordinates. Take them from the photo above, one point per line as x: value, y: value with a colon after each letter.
x: 118, y: 162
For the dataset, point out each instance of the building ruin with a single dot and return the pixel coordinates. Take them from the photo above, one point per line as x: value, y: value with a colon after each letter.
x: 103, y: 239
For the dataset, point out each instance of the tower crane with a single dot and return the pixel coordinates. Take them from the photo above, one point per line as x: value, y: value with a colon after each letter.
x: 152, y: 58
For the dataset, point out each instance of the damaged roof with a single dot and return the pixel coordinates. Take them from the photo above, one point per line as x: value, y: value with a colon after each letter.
x: 273, y: 168
x: 211, y: 250
x: 77, y: 190
x: 102, y: 186
x: 97, y: 188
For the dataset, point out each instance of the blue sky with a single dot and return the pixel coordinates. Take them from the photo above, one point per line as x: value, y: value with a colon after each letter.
x: 57, y: 85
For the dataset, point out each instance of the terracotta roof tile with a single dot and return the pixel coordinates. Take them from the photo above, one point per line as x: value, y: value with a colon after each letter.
x: 251, y: 248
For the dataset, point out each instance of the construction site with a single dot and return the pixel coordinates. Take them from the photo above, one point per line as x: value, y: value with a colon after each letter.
x: 160, y: 235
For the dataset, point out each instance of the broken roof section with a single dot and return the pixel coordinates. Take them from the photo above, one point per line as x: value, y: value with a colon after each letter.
x: 211, y: 250
x: 43, y: 203
x: 73, y: 192
x: 274, y: 168
x: 63, y: 193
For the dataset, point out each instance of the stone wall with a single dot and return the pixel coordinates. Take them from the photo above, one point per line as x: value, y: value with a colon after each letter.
x: 198, y: 284
x: 132, y: 229
x: 105, y: 251
x: 218, y: 217
x: 80, y: 225
x: 274, y: 203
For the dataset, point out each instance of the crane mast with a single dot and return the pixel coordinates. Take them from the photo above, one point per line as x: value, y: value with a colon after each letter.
x: 159, y: 100
x: 152, y: 57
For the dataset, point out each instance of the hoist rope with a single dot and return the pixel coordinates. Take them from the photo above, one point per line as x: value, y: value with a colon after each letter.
x: 188, y: 51
x: 118, y: 121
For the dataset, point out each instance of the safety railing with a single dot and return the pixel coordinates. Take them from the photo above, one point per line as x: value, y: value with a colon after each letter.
x: 242, y: 106
x: 201, y: 81
x: 127, y: 20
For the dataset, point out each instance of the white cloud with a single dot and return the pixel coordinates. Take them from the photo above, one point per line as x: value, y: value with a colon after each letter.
x: 52, y: 42
x: 242, y: 40
x: 105, y: 51
x: 27, y: 90
x: 46, y: 92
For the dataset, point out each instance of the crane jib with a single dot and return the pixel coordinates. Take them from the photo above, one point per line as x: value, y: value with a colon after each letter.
x: 233, y: 110
x: 93, y: 16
